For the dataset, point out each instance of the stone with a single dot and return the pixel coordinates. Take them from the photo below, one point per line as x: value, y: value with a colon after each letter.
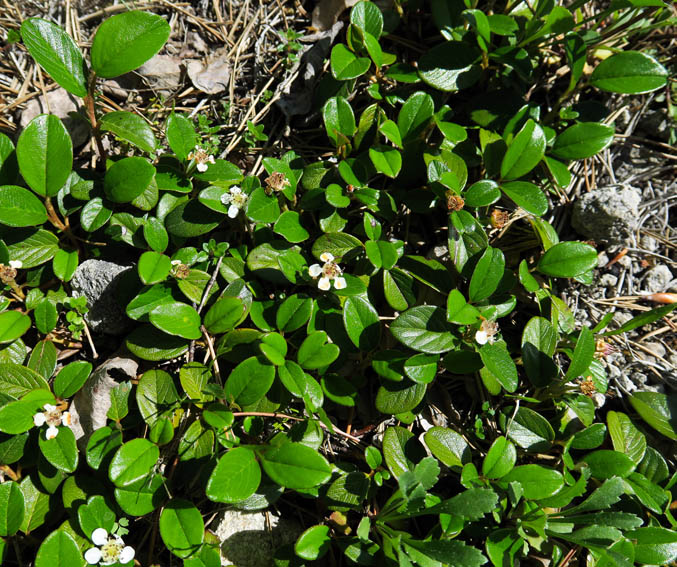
x: 162, y: 73
x: 608, y: 214
x: 657, y: 279
x: 211, y: 76
x: 92, y: 402
x: 608, y: 280
x: 97, y: 280
x: 249, y: 539
x: 64, y: 105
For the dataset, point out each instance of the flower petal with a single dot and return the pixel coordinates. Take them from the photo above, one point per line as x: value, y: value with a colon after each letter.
x: 324, y: 284
x: 202, y: 167
x: 481, y: 338
x: 49, y: 407
x: 234, y: 190
x: 232, y: 211
x: 39, y: 419
x: 126, y: 555
x: 327, y: 257
x: 340, y: 283
x: 66, y: 418
x: 315, y: 270
x: 16, y: 264
x: 99, y: 536
x: 93, y: 555
x: 51, y: 432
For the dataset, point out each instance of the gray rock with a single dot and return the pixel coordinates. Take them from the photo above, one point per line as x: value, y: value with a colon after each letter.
x: 163, y: 73
x: 97, y: 280
x: 608, y: 280
x: 657, y: 279
x: 92, y: 402
x: 211, y: 76
x: 608, y: 214
x: 64, y: 105
x: 249, y: 539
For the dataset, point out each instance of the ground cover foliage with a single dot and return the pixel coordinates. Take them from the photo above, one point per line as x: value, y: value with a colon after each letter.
x: 301, y: 345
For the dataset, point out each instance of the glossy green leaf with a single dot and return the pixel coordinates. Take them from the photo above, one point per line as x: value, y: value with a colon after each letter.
x: 128, y: 178
x: 501, y: 365
x: 339, y: 119
x: 101, y: 446
x: 527, y: 196
x: 524, y: 152
x: 262, y: 207
x: 500, y: 459
x: 181, y: 135
x: 12, y: 508
x: 94, y: 215
x: 236, y: 477
x: 130, y: 127
x: 568, y: 260
x: 315, y: 352
x: 64, y: 264
x: 645, y: 318
x: 582, y: 140
x: 367, y: 16
x: 20, y: 207
x: 288, y: 225
x: 415, y: 115
x: 450, y: 66
x: 424, y: 328
x: 59, y: 549
x: 315, y: 541
x: 294, y: 312
x: 13, y: 324
x: 459, y: 311
x: 398, y: 397
x: 345, y: 65
x: 126, y: 41
x: 142, y: 497
x: 178, y: 319
x: 487, y: 274
x: 482, y: 193
x: 61, y: 451
x: 362, y: 323
x: 224, y: 314
x: 181, y: 527
x: 529, y: 429
x: 605, y: 464
x: 537, y: 481
x: 386, y: 160
x: 43, y: 358
x: 539, y: 340
x: 448, y: 446
x: 658, y: 410
x: 133, y: 461
x: 95, y: 514
x: 250, y: 381
x: 56, y: 53
x: 654, y: 545
x: 295, y: 466
x: 337, y: 243
x: 629, y: 72
x: 45, y: 154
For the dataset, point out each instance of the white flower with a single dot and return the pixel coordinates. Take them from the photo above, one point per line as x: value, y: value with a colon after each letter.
x: 236, y: 199
x: 53, y: 417
x: 16, y: 264
x: 111, y: 549
x: 486, y: 333
x: 329, y: 272
x: 201, y: 157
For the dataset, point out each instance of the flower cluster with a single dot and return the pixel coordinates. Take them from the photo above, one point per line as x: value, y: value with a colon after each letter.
x: 201, y: 158
x: 277, y: 181
x: 486, y: 333
x: 111, y: 549
x: 237, y: 200
x: 53, y: 416
x: 330, y: 272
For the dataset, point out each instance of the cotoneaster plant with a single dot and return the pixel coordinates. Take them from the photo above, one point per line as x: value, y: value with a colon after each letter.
x: 301, y: 342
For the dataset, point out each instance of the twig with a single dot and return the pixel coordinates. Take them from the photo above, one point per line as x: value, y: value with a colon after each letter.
x: 95, y: 355
x: 210, y: 284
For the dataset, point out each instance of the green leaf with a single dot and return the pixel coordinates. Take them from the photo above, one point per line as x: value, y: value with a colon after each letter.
x: 128, y: 178
x: 498, y: 361
x: 61, y: 451
x: 45, y: 154
x: 32, y: 247
x: 459, y: 311
x: 236, y: 477
x: 130, y: 127
x: 537, y: 482
x: 401, y: 450
x: 56, y: 52
x: 153, y: 267
x: 449, y: 552
x: 300, y: 384
x: 362, y: 323
x: 126, y: 41
x: 177, y: 319
x: 524, y: 152
x: 487, y: 274
x: 450, y: 66
x: 424, y: 328
x: 43, y: 358
x: 482, y: 193
x: 197, y: 442
x: 142, y: 497
x: 16, y: 380
x: 448, y: 446
x: 181, y: 135
x: 583, y: 355
x: 36, y: 506
x: 526, y: 195
x: 95, y: 514
x: 20, y: 207
x: 367, y: 17
x: 421, y: 368
x: 582, y: 140
x: 191, y: 218
x: 605, y: 464
x: 415, y: 115
x: 181, y: 527
x: 17, y: 417
x: 150, y: 343
x: 94, y: 215
x: 59, y: 549
x: 314, y: 353
x: 155, y: 395
x: 133, y: 461
x: 345, y: 65
x: 529, y: 430
x: 315, y: 541
x: 339, y: 119
x: 13, y: 324
x: 118, y: 401
x: 294, y: 312
x: 629, y: 72
x: 568, y: 260
x: 654, y: 545
x: 194, y: 377
x: 12, y: 508
x: 101, y: 446
x: 338, y: 244
x: 399, y: 397
x: 224, y: 315
x: 64, y: 264
x: 500, y: 459
x: 262, y: 207
x: 250, y: 381
x: 155, y: 233
x: 658, y: 410
x: 295, y: 466
x: 386, y: 160
x: 539, y: 340
x: 643, y: 319
x: 470, y: 504
x: 288, y: 225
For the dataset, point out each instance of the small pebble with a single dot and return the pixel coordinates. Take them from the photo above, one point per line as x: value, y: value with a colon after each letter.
x: 608, y: 280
